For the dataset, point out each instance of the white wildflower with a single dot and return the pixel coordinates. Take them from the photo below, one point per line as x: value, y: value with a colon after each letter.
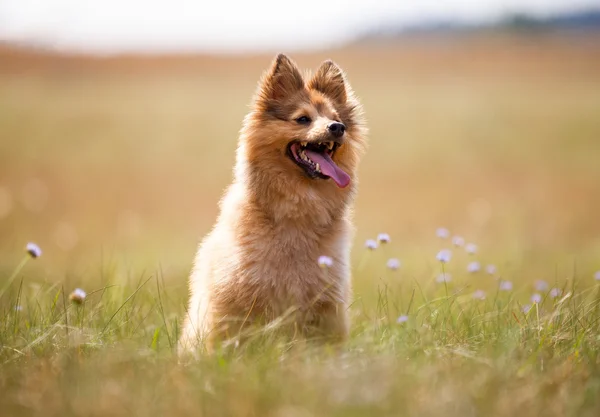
x: 78, y: 296
x: 506, y: 286
x: 473, y: 267
x: 471, y: 248
x: 442, y: 233
x: 490, y: 269
x: 33, y: 250
x: 325, y: 262
x: 555, y: 292
x: 541, y: 285
x: 383, y: 238
x: 536, y: 298
x: 444, y: 255
x: 597, y: 276
x: 393, y: 264
x: 371, y: 244
x: 402, y: 319
x: 458, y: 241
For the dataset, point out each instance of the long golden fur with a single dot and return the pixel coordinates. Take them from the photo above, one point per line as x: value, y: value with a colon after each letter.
x: 260, y: 260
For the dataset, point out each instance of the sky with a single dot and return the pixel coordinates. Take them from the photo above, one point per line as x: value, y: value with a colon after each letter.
x: 113, y: 26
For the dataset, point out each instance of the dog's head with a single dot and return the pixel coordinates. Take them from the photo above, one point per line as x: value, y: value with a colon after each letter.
x: 304, y: 132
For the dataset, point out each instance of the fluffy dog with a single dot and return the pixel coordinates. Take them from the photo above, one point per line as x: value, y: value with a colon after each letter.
x: 289, y: 204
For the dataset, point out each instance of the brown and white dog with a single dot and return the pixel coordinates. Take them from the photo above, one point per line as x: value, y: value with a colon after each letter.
x: 290, y: 203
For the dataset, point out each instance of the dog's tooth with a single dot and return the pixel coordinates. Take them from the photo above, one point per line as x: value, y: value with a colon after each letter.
x: 318, y: 168
x: 304, y: 144
x: 330, y: 145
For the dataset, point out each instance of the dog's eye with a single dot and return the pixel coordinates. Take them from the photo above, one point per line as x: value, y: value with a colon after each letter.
x: 303, y: 120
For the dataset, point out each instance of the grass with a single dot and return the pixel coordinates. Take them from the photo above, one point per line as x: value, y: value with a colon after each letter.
x: 114, y: 354
x: 114, y: 166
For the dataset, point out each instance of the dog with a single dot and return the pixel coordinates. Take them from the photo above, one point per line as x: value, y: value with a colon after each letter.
x: 290, y: 203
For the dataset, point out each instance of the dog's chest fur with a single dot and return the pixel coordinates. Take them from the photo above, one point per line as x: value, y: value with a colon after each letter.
x: 275, y: 264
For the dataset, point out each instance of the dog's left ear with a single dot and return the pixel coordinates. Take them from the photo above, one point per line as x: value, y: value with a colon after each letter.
x: 282, y: 80
x: 330, y: 80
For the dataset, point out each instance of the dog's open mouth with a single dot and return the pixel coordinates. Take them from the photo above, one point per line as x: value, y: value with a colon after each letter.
x: 316, y: 160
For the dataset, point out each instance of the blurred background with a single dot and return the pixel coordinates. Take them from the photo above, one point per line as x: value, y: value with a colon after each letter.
x: 119, y: 122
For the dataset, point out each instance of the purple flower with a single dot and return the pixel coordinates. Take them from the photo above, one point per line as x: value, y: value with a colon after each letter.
x: 471, y: 248
x: 444, y: 255
x: 402, y: 319
x: 536, y: 298
x: 393, y: 264
x: 458, y: 241
x: 383, y: 238
x: 506, y: 286
x: 33, y: 250
x: 78, y: 296
x: 325, y: 262
x: 491, y: 269
x: 541, y: 285
x: 555, y: 292
x: 371, y: 244
x: 473, y: 267
x: 442, y: 233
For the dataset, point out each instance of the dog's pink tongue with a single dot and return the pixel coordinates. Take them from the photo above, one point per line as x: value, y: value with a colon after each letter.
x: 329, y: 168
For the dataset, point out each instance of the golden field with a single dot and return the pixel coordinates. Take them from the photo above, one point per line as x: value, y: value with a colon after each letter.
x: 496, y: 138
x: 115, y: 165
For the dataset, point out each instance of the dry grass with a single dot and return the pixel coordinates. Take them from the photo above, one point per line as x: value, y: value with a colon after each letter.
x: 115, y: 166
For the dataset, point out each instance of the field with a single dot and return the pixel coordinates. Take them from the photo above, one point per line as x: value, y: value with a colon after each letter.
x: 114, y: 167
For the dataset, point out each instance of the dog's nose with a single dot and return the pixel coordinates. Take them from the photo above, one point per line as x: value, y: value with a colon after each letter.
x: 337, y: 129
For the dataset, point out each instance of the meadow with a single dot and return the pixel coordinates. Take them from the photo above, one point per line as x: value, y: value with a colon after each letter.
x: 114, y: 166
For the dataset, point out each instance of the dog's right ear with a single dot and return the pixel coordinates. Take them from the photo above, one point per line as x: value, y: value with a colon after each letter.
x: 330, y: 81
x: 282, y: 80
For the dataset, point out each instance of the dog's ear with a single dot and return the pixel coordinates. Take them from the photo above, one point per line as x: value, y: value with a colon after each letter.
x: 330, y: 80
x: 282, y: 80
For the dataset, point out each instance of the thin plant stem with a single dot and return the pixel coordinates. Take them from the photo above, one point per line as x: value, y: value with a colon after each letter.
x: 14, y: 274
x: 445, y: 281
